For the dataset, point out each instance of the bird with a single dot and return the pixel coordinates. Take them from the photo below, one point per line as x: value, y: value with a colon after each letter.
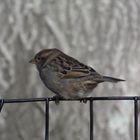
x: 66, y: 76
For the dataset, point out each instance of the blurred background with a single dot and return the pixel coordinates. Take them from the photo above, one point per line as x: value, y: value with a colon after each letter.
x: 104, y: 34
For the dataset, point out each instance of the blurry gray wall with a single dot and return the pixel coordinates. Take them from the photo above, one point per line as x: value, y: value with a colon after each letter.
x: 105, y: 34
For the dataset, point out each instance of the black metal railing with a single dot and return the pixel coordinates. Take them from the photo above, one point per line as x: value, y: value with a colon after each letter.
x: 91, y: 101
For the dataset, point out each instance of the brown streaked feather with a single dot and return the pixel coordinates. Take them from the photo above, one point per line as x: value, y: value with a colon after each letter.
x: 73, y: 74
x: 49, y: 54
x: 66, y: 66
x: 91, y: 86
x: 71, y: 68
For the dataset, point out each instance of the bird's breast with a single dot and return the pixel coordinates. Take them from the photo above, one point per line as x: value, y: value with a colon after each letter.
x: 50, y: 79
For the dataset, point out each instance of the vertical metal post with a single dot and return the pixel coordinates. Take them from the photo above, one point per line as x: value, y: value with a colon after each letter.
x: 47, y: 120
x: 1, y: 104
x: 91, y: 119
x: 135, y: 119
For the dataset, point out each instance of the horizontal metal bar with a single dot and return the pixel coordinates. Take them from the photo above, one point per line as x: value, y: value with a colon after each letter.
x: 24, y: 100
x: 62, y: 99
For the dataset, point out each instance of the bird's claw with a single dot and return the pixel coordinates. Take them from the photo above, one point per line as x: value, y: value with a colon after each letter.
x: 83, y: 100
x: 57, y: 99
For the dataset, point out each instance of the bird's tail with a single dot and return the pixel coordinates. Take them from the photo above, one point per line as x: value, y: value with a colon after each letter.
x: 111, y: 79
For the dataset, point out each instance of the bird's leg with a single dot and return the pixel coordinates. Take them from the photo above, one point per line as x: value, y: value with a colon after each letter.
x: 84, y: 100
x: 57, y: 99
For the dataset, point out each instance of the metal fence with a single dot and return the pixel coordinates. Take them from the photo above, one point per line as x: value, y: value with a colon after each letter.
x: 91, y: 101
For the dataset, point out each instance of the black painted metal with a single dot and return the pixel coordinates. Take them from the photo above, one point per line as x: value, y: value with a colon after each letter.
x: 91, y: 119
x: 1, y: 104
x: 135, y: 119
x: 61, y: 99
x: 90, y: 99
x: 47, y: 120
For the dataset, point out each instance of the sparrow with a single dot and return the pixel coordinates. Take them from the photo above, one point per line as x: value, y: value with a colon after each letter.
x: 66, y: 76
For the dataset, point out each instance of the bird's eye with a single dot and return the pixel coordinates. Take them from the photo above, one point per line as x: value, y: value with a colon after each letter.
x: 38, y: 58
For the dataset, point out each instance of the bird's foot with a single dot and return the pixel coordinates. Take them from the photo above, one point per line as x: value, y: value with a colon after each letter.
x: 57, y: 99
x: 83, y: 100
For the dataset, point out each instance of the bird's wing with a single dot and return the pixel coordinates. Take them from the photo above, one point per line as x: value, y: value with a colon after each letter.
x: 69, y: 67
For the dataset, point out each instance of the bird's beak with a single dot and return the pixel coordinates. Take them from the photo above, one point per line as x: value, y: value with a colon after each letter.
x: 32, y: 61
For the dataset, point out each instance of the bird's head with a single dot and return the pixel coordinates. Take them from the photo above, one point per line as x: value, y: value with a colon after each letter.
x: 43, y: 57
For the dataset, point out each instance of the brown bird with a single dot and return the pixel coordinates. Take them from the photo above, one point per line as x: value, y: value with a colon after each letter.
x: 65, y: 76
